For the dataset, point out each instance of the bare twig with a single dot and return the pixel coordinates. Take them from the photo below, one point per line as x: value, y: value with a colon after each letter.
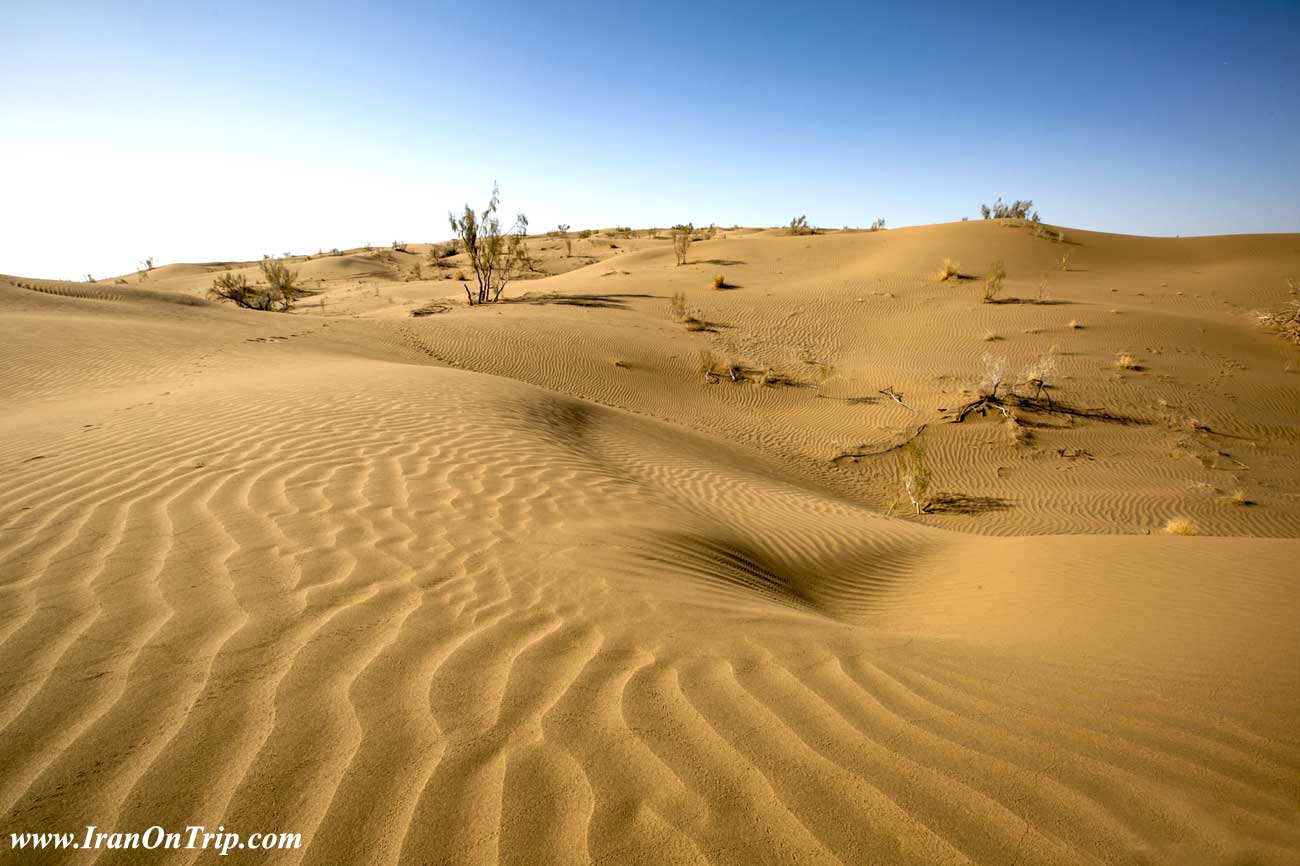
x: 889, y: 392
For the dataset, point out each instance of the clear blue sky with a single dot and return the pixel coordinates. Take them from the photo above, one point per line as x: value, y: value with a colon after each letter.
x: 203, y: 131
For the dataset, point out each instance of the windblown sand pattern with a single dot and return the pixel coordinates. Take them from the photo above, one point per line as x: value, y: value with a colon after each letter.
x: 463, y: 590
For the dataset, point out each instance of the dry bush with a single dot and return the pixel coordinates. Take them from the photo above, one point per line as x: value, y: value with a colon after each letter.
x: 1040, y: 373
x: 799, y: 226
x: 708, y: 364
x: 995, y: 376
x: 399, y: 247
x: 281, y: 279
x: 233, y: 287
x: 1040, y: 231
x: 585, y: 234
x: 677, y: 307
x: 497, y: 255
x: 719, y: 281
x: 1126, y: 361
x: 563, y: 228
x: 438, y: 252
x: 949, y: 271
x: 682, y: 241
x: 460, y: 275
x: 416, y: 273
x: 1065, y: 262
x: 1181, y: 526
x: 1237, y: 498
x: 1074, y: 325
x: 1001, y: 210
x: 279, y: 296
x: 993, y: 281
x: 1286, y: 320
x: 877, y: 225
x: 914, y: 475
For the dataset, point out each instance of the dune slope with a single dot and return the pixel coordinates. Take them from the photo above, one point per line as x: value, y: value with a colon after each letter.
x: 522, y: 584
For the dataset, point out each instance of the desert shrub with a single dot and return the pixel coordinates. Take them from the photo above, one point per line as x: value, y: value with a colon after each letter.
x: 682, y: 241
x: 459, y: 275
x: 1125, y: 361
x: 278, y: 297
x: 799, y: 226
x: 1181, y: 526
x: 568, y: 241
x: 949, y: 271
x: 914, y: 475
x: 399, y: 247
x: 712, y: 366
x: 995, y: 376
x: 1039, y: 230
x: 438, y: 252
x: 584, y: 234
x: 1040, y: 373
x: 415, y: 273
x: 719, y: 281
x: 497, y: 255
x: 1001, y: 210
x: 1238, y: 497
x: 281, y: 278
x: 877, y: 225
x: 1286, y: 320
x: 997, y: 272
x: 335, y: 252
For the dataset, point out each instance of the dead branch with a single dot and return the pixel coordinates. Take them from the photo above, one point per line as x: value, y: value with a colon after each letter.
x: 889, y: 392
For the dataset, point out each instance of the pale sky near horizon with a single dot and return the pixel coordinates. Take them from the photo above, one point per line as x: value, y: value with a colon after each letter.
x: 192, y: 132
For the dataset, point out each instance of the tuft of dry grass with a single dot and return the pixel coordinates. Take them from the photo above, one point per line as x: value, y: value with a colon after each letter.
x: 949, y: 271
x: 1074, y: 325
x: 1127, y: 362
x: 990, y: 337
x: 1018, y: 435
x: 719, y: 281
x: 1238, y: 498
x: 1181, y: 526
x: 993, y: 281
x: 677, y: 307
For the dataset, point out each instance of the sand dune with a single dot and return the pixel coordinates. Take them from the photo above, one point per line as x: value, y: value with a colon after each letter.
x: 517, y: 584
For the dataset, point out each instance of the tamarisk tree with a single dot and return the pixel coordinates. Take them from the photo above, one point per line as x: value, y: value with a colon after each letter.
x: 497, y: 255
